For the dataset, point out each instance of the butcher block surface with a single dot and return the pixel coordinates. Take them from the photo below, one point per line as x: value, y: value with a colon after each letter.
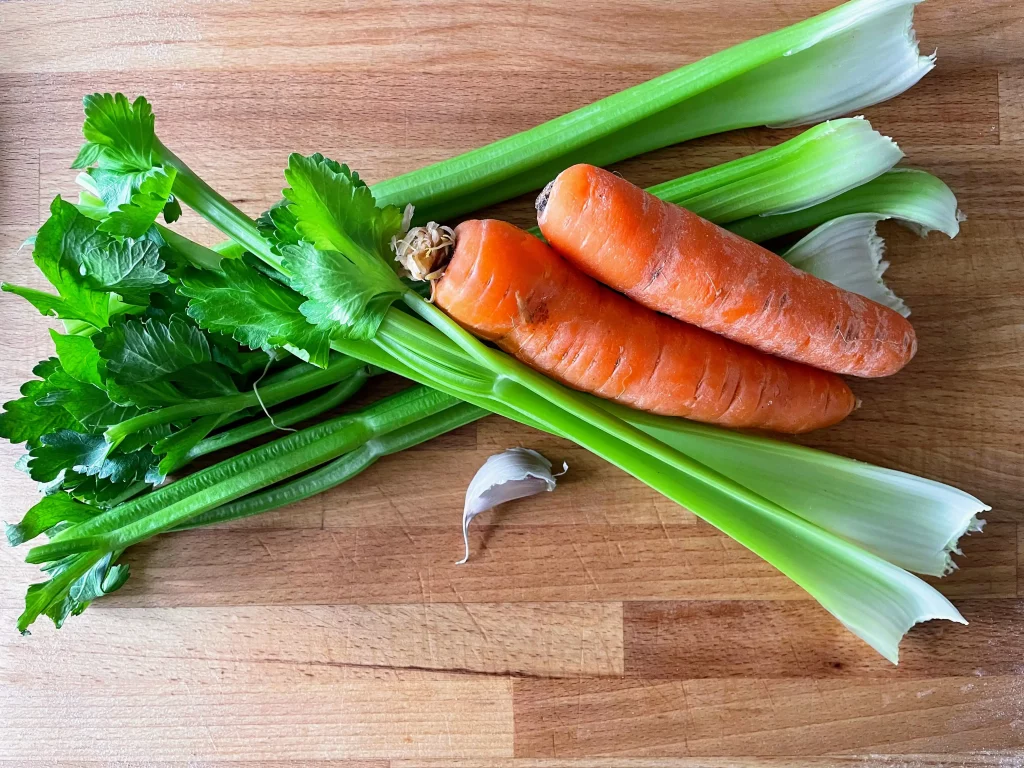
x: 599, y: 625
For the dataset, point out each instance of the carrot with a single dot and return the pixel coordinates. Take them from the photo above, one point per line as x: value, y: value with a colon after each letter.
x: 509, y: 287
x: 675, y: 262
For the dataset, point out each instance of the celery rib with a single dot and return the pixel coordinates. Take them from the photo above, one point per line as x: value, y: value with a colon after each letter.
x: 255, y: 469
x: 318, y: 405
x: 342, y: 469
x: 270, y: 395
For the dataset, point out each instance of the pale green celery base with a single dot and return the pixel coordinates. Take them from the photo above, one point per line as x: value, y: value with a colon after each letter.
x: 907, y: 520
x: 914, y: 197
x: 851, y: 57
x: 848, y: 252
x: 821, y: 163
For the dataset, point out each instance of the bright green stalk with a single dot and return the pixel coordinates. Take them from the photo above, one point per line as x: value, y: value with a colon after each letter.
x: 820, y: 163
x: 342, y: 469
x: 855, y: 55
x: 271, y: 394
x: 264, y: 426
x: 912, y: 196
x: 876, y: 600
x: 258, y: 468
x: 199, y: 255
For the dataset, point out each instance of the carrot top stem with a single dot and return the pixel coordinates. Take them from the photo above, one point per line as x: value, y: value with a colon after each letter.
x: 424, y: 251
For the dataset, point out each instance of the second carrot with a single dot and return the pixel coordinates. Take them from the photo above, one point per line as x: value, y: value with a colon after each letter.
x: 673, y: 261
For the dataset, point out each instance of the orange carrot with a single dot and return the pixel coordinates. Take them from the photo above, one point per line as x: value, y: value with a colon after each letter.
x: 675, y: 262
x: 511, y: 288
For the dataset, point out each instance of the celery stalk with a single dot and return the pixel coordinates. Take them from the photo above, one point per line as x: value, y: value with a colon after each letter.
x: 819, y: 164
x: 916, y: 198
x: 855, y: 55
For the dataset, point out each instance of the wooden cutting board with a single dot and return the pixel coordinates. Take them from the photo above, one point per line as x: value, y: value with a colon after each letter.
x: 600, y: 621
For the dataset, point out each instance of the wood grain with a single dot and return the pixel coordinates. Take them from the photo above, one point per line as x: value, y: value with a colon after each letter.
x: 596, y: 626
x: 690, y: 640
x: 754, y: 716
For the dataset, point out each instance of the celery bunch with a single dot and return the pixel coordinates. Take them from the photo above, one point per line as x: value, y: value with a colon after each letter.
x: 313, y: 278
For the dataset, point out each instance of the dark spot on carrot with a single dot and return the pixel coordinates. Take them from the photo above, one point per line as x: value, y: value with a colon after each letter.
x: 543, y: 197
x: 531, y: 313
x: 655, y: 273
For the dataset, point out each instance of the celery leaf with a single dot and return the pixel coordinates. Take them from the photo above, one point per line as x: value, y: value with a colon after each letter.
x: 340, y: 294
x: 133, y: 218
x: 258, y: 312
x: 119, y: 134
x: 64, y: 236
x: 26, y: 420
x: 66, y: 449
x: 343, y: 264
x: 130, y: 268
x: 90, y: 405
x: 45, y: 514
x: 147, y: 350
x: 79, y: 358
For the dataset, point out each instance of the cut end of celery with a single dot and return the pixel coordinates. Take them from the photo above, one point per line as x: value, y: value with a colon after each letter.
x: 848, y: 252
x: 884, y: 61
x: 972, y: 525
x: 891, y: 649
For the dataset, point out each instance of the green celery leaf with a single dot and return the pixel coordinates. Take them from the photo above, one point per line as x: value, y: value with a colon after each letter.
x: 122, y: 467
x: 204, y: 380
x: 66, y: 449
x: 131, y: 268
x: 91, y: 206
x: 149, y: 350
x: 91, y: 406
x: 342, y: 266
x: 99, y: 492
x: 120, y: 134
x: 278, y: 225
x: 144, y: 437
x: 79, y: 358
x: 51, y: 597
x: 102, y: 579
x: 259, y: 312
x: 26, y: 420
x: 134, y: 218
x: 112, y: 188
x: 74, y: 583
x: 172, y: 210
x: 64, y: 236
x: 45, y: 514
x: 341, y: 295
x: 155, y: 362
x: 146, y: 394
x: 335, y: 210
